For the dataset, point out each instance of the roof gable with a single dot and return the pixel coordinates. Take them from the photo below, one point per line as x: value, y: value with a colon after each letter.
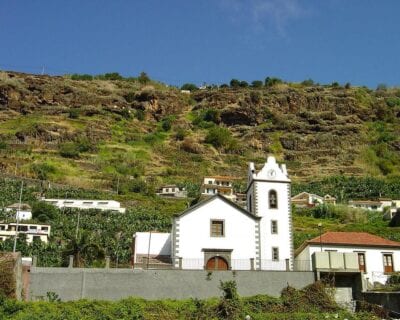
x: 216, y: 197
x: 354, y: 239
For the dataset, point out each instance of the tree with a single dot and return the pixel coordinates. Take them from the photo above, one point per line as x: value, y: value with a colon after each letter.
x: 144, y: 78
x: 243, y: 84
x: 84, y: 249
x: 234, y: 83
x: 395, y: 222
x: 257, y: 84
x: 44, y: 211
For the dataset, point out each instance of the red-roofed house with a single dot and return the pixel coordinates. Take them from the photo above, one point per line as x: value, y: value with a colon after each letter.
x: 377, y: 257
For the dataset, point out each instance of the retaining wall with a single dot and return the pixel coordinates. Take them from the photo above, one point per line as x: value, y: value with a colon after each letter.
x: 389, y: 300
x: 114, y: 284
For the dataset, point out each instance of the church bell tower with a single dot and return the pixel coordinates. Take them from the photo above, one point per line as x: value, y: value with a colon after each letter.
x: 268, y: 196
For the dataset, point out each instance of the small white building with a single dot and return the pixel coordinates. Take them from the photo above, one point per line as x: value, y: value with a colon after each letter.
x: 305, y: 200
x: 376, y: 257
x: 32, y: 231
x: 172, y: 191
x: 222, y: 185
x: 104, y: 205
x: 151, y: 247
x: 23, y: 211
x: 367, y: 204
x: 217, y: 234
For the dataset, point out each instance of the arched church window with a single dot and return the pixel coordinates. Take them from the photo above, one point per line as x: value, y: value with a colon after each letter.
x: 250, y: 204
x: 273, y: 199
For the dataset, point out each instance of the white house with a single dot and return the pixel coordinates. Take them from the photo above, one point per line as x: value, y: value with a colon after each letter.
x: 217, y: 234
x: 104, y: 205
x: 376, y: 257
x: 305, y: 199
x: 23, y: 211
x: 172, y: 191
x: 223, y: 185
x: 367, y: 204
x: 32, y: 231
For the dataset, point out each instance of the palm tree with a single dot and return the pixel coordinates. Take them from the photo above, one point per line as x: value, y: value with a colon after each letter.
x: 84, y: 249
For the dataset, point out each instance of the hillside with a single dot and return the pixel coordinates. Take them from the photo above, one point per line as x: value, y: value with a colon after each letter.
x: 135, y: 134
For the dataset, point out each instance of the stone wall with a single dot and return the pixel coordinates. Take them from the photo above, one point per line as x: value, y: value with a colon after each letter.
x: 11, y: 274
x: 114, y: 284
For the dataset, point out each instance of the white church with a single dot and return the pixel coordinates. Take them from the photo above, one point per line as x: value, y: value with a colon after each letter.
x: 216, y: 234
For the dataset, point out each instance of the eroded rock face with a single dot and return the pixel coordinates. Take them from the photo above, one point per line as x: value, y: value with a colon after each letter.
x: 322, y: 128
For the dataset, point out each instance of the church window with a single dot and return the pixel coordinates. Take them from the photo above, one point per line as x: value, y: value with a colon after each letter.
x: 274, y: 227
x: 217, y: 228
x: 250, y: 204
x: 275, y: 254
x: 273, y: 199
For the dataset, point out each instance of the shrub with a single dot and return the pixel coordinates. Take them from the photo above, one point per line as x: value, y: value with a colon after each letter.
x: 218, y: 137
x: 347, y: 85
x: 73, y: 114
x: 308, y: 83
x: 381, y: 87
x: 77, y: 76
x: 112, y: 76
x: 139, y: 114
x: 189, y: 145
x: 130, y: 97
x: 43, y: 170
x: 230, y: 305
x: 3, y: 145
x: 69, y: 150
x: 270, y: 82
x: 180, y: 134
x: 212, y: 115
x: 83, y: 144
x: 44, y: 211
x: 255, y: 97
x: 166, y: 123
x: 189, y: 86
x: 335, y: 84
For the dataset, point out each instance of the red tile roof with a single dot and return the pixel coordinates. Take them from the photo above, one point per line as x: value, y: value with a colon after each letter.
x: 353, y: 238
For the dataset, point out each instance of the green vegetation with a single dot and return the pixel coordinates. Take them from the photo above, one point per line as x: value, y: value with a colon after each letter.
x: 308, y: 303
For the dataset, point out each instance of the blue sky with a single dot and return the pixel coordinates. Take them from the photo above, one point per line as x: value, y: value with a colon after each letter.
x: 210, y: 41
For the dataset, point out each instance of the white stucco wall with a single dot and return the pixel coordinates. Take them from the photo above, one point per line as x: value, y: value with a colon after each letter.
x: 193, y: 235
x: 159, y: 243
x: 373, y: 258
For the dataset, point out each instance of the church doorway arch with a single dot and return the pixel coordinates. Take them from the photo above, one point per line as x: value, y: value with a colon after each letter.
x: 217, y: 263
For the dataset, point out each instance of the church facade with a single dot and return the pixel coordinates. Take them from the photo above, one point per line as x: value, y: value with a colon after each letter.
x: 216, y: 234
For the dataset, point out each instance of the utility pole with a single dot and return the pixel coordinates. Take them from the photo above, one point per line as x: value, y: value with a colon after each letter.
x: 17, y: 216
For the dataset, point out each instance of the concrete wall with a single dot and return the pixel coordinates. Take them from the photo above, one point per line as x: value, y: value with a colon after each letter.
x: 389, y: 300
x: 113, y: 284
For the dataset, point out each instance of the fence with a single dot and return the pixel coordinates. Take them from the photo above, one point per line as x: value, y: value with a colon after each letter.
x: 233, y: 264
